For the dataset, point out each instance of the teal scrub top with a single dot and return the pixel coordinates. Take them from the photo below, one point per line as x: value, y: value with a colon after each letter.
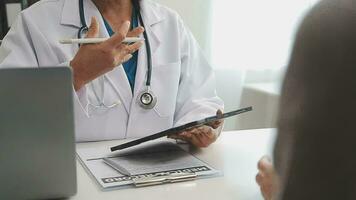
x: 131, y: 65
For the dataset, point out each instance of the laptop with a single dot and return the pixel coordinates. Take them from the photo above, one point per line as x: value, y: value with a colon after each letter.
x: 37, y: 142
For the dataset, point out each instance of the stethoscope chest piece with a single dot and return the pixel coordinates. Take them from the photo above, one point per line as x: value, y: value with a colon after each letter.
x: 147, y: 99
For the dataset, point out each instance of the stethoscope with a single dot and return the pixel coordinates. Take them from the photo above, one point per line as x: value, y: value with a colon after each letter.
x: 146, y: 98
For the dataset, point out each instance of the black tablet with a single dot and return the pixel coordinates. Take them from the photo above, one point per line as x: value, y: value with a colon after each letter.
x: 179, y: 129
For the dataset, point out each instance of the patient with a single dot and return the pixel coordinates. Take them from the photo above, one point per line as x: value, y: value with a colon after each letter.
x: 315, y: 153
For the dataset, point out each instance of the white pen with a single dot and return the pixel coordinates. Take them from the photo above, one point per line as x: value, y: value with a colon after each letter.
x: 98, y: 40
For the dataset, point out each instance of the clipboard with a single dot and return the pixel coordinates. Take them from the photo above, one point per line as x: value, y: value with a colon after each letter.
x: 159, y: 180
x: 179, y: 129
x: 149, y: 164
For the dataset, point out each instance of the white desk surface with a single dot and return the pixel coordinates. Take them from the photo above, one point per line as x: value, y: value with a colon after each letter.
x: 235, y: 153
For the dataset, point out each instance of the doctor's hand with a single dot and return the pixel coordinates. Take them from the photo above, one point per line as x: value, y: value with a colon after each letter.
x: 201, y: 136
x: 94, y: 60
x: 267, y: 178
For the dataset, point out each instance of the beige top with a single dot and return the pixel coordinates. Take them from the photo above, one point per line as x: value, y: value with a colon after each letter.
x: 315, y: 152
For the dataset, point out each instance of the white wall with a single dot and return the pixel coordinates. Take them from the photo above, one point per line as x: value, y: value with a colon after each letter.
x: 197, y: 16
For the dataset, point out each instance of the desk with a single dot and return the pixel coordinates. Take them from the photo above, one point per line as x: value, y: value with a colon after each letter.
x: 235, y: 153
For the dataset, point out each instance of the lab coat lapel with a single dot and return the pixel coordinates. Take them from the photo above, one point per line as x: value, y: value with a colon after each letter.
x: 151, y: 18
x: 70, y: 13
x: 70, y: 16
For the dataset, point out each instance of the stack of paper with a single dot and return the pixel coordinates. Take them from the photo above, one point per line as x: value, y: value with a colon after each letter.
x: 159, y: 159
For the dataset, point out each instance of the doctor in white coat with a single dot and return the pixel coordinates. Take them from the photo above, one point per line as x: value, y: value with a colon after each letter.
x: 106, y: 93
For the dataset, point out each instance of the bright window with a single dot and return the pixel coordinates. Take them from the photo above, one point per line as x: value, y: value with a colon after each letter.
x: 255, y: 34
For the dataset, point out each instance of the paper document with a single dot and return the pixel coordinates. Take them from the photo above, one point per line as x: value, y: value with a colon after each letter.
x: 159, y: 159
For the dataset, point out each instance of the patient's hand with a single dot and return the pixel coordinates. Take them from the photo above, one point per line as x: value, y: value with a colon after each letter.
x: 201, y: 136
x: 267, y: 178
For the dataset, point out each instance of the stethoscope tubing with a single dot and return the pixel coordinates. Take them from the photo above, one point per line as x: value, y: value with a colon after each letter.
x: 148, y: 91
x: 85, y: 28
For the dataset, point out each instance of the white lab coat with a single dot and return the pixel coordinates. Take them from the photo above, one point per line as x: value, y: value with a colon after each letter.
x: 182, y: 79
